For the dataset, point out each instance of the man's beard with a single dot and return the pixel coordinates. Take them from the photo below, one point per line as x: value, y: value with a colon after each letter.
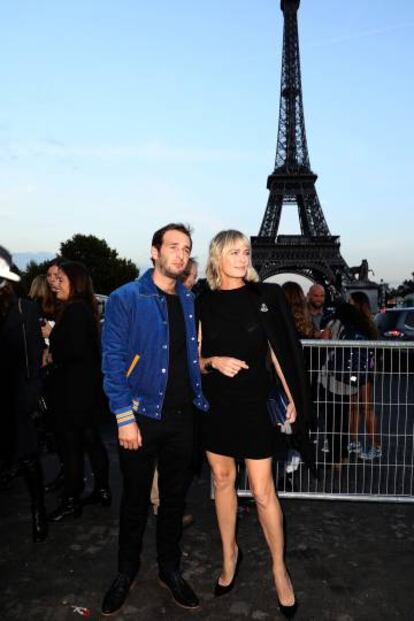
x: 168, y: 273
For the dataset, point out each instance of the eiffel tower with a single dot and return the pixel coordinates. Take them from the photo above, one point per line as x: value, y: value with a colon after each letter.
x: 314, y: 253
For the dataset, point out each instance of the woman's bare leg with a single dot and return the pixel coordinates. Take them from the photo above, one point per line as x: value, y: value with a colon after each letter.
x: 270, y: 515
x: 224, y: 479
x: 371, y: 421
x: 354, y: 418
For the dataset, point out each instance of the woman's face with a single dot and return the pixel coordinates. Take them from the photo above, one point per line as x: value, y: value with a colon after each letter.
x: 52, y: 278
x: 235, y: 261
x: 63, y: 287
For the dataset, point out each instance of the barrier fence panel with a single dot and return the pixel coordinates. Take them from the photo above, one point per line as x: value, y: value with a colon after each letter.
x: 362, y: 428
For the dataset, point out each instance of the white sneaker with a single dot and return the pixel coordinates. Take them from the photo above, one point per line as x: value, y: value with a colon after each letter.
x: 371, y: 453
x: 325, y: 448
x: 354, y: 447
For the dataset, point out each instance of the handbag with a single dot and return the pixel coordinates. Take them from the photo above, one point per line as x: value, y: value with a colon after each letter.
x: 277, y: 403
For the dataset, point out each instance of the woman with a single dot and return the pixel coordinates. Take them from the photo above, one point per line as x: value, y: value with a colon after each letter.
x: 300, y: 311
x: 363, y: 401
x: 42, y: 294
x: 21, y: 347
x: 346, y: 383
x: 242, y: 324
x: 76, y: 390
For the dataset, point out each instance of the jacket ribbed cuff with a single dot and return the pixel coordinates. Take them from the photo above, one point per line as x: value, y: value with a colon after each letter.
x: 125, y: 418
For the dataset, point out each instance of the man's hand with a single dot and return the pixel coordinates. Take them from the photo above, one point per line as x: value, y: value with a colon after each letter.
x: 228, y: 366
x: 129, y: 436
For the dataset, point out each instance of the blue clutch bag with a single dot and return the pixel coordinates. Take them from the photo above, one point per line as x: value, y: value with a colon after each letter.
x: 277, y: 403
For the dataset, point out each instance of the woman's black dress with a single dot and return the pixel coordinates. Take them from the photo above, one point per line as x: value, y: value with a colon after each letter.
x: 238, y: 423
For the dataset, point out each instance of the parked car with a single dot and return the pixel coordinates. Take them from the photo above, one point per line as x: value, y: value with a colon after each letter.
x: 396, y: 324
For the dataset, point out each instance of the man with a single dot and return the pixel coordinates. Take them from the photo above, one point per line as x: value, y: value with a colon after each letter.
x: 152, y: 379
x: 189, y: 279
x: 316, y: 301
x: 190, y: 275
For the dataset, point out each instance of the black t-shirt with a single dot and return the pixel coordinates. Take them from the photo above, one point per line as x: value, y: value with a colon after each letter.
x: 178, y: 393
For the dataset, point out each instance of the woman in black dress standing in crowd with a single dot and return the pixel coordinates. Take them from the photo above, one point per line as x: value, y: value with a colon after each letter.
x: 243, y: 325
x: 21, y: 347
x: 76, y: 390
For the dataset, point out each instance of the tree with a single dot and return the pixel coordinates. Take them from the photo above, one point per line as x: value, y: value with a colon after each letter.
x: 406, y: 287
x: 107, y: 269
x: 32, y: 270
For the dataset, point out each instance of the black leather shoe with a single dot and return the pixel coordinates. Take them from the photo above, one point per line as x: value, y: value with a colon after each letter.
x: 181, y: 591
x: 55, y: 484
x: 221, y: 589
x: 40, y: 526
x: 100, y: 496
x: 116, y: 594
x: 68, y: 508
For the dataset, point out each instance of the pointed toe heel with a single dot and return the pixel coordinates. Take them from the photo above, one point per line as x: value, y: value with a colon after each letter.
x: 220, y: 589
x: 288, y: 611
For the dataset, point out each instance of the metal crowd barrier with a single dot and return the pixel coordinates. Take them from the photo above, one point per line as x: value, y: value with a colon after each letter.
x: 362, y: 432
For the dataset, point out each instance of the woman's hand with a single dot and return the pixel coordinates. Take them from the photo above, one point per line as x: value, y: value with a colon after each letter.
x: 46, y: 330
x: 45, y: 358
x: 227, y: 366
x: 325, y: 334
x: 291, y: 412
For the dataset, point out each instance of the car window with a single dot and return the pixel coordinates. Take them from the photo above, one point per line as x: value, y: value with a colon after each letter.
x: 387, y: 321
x: 409, y: 320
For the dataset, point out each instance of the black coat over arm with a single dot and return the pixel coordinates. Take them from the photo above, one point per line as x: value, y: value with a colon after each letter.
x: 277, y: 322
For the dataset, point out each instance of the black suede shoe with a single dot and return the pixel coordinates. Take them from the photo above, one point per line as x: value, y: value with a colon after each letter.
x: 181, y: 591
x: 99, y: 496
x: 68, y: 508
x: 55, y: 484
x: 116, y: 594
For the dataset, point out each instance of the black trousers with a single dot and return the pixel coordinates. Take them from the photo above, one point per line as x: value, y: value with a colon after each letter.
x: 72, y: 444
x: 169, y: 443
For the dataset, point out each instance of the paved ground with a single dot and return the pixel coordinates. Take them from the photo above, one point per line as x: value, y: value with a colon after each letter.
x: 349, y: 561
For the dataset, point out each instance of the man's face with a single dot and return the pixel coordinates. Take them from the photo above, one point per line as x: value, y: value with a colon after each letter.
x: 172, y: 258
x: 191, y: 279
x: 316, y: 297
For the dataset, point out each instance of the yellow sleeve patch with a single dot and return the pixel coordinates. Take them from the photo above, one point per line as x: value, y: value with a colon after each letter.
x: 133, y: 364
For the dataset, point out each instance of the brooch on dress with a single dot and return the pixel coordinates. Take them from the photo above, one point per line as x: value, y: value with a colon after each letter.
x: 263, y: 308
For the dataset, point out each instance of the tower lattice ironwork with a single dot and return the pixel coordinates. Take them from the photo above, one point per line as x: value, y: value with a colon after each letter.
x: 315, y: 252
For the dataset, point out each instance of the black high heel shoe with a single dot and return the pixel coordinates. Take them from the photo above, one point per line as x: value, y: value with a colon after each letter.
x: 220, y: 589
x: 288, y: 611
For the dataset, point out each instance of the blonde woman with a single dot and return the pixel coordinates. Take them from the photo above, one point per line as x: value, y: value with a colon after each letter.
x: 243, y: 323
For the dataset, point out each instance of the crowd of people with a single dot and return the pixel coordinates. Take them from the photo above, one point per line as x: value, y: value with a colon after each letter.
x: 182, y: 376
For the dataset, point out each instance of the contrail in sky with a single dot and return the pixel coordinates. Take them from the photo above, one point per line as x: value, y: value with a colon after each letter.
x: 363, y: 34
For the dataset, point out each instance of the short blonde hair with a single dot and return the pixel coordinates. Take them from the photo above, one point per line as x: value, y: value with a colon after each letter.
x: 218, y: 245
